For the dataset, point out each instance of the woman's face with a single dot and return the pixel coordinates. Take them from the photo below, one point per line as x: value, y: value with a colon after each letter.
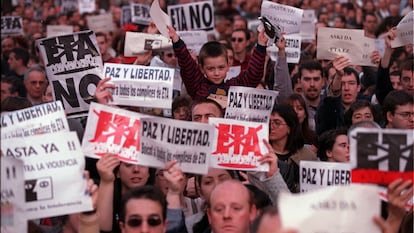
x: 209, y: 181
x: 278, y: 128
x: 300, y: 111
x: 362, y: 114
x: 340, y: 150
x: 133, y: 175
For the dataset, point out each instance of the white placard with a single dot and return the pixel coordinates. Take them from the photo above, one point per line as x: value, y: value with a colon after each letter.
x: 192, y: 16
x: 101, y: 22
x: 86, y: 6
x: 112, y: 130
x: 250, y: 104
x: 143, y: 86
x: 74, y: 68
x: 138, y: 42
x: 194, y: 40
x: 53, y: 173
x: 160, y: 18
x: 13, y: 218
x: 307, y: 28
x: 349, y: 208
x: 233, y: 72
x: 11, y: 25
x: 37, y: 120
x: 404, y: 31
x: 165, y: 139
x: 238, y: 144
x: 58, y: 30
x: 287, y: 17
x: 350, y: 43
x: 316, y: 175
x: 140, y: 13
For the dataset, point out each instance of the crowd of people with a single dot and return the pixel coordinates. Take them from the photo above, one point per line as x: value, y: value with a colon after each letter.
x: 318, y: 102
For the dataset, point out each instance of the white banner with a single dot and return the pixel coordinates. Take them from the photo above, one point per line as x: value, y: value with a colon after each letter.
x: 11, y: 25
x: 58, y: 30
x: 349, y: 208
x: 53, y: 172
x: 101, y: 22
x: 350, y: 43
x: 143, y: 86
x: 13, y: 218
x: 404, y: 31
x: 293, y: 46
x: 112, y: 130
x: 37, y: 120
x: 68, y: 5
x: 138, y: 42
x: 160, y: 18
x: 140, y: 13
x: 192, y: 16
x: 165, y: 139
x: 86, y: 6
x: 194, y: 40
x: 287, y: 17
x: 74, y: 68
x: 316, y: 175
x: 307, y: 28
x: 250, y: 104
x: 238, y: 144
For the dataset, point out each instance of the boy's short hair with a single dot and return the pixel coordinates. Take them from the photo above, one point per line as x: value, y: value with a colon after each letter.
x: 212, y: 49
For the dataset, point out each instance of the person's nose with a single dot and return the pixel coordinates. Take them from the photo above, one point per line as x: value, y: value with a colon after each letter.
x: 227, y: 213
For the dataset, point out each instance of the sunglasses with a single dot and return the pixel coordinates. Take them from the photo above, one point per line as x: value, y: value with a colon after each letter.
x: 170, y: 55
x: 237, y: 39
x: 152, y: 221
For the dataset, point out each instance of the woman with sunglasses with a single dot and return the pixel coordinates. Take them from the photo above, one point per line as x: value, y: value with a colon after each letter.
x: 286, y: 139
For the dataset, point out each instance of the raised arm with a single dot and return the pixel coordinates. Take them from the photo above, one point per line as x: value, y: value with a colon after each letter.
x: 283, y: 83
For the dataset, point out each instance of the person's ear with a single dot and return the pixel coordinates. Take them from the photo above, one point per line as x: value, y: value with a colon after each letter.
x: 253, y: 213
x: 329, y: 154
x: 389, y: 116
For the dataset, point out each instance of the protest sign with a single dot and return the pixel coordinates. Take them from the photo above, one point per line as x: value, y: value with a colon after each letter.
x: 192, y: 16
x: 160, y: 18
x: 58, y: 30
x: 194, y: 40
x: 233, y: 72
x: 140, y: 13
x: 12, y: 196
x: 68, y: 5
x: 39, y: 119
x: 307, y: 28
x: 316, y: 175
x: 404, y: 31
x: 381, y: 155
x: 238, y: 144
x: 143, y: 86
x: 86, y: 6
x: 53, y: 173
x: 348, y: 208
x: 74, y: 67
x: 100, y: 23
x: 292, y: 50
x: 126, y: 15
x: 350, y: 43
x: 11, y: 25
x: 138, y: 42
x: 163, y: 140
x: 288, y: 18
x: 112, y: 130
x: 250, y: 104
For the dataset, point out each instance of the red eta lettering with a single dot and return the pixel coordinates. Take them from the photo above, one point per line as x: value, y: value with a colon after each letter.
x: 116, y: 127
x: 242, y: 143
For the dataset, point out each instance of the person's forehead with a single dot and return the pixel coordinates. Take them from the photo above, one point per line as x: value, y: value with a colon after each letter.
x: 215, y: 61
x: 206, y: 108
x: 239, y: 34
x: 35, y: 75
x: 311, y: 73
x: 226, y: 191
x: 405, y: 107
x: 143, y: 206
x: 349, y: 77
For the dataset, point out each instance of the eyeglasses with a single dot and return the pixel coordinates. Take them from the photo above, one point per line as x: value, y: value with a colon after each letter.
x: 405, y: 115
x: 170, y: 55
x: 152, y: 221
x: 237, y: 39
x: 277, y: 123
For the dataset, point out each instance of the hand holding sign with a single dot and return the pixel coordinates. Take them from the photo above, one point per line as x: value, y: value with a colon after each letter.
x: 173, y: 34
x: 271, y: 158
x: 375, y: 57
x: 106, y: 166
x: 390, y: 36
x: 399, y: 193
x: 175, y: 177
x: 339, y: 63
x: 102, y: 93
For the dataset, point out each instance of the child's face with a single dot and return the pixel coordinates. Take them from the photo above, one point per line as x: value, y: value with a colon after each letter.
x: 215, y: 69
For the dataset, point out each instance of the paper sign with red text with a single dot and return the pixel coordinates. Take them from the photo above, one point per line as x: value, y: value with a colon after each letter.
x: 163, y: 140
x: 112, y: 130
x: 238, y: 144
